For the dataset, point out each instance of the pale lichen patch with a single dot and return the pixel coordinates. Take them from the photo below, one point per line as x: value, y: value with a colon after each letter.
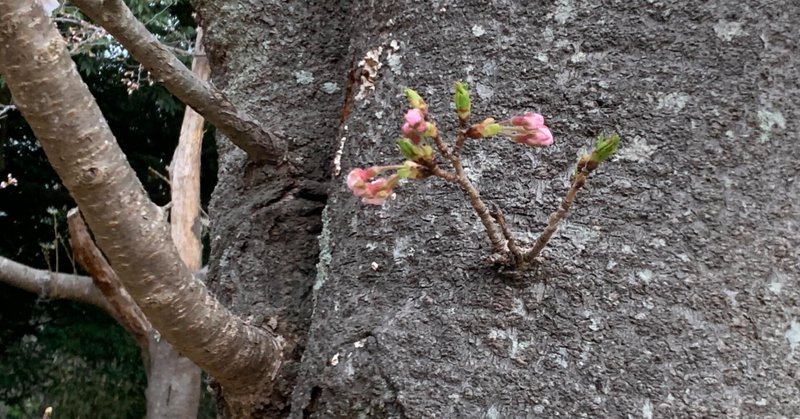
x: 728, y: 30
x: 303, y: 77
x: 637, y: 150
x: 647, y: 409
x: 767, y: 120
x: 674, y: 101
x: 793, y: 335
x: 563, y: 11
x: 325, y: 256
x: 330, y: 87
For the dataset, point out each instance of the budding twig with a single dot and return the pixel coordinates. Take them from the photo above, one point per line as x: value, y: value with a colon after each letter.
x: 557, y: 216
x: 528, y: 129
x: 460, y: 139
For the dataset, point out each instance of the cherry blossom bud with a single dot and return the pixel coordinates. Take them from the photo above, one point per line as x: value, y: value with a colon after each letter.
x: 415, y: 126
x: 431, y: 130
x: 529, y: 129
x: 411, y: 170
x: 414, y: 152
x: 357, y: 180
x: 10, y: 181
x: 379, y: 190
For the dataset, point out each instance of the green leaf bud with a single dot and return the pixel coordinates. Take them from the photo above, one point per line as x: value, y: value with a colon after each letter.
x: 462, y: 101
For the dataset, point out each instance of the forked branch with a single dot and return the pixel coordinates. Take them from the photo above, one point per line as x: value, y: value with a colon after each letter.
x: 241, y: 128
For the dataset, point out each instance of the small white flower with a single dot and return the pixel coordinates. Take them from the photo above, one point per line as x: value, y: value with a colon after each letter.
x: 10, y: 181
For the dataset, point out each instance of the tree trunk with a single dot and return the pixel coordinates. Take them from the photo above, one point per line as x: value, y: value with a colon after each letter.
x: 128, y: 227
x: 173, y: 382
x: 668, y: 291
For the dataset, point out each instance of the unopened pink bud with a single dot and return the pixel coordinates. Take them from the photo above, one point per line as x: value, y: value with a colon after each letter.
x: 529, y: 121
x: 411, y: 133
x: 541, y: 137
x: 415, y: 117
x: 528, y: 129
x: 379, y: 190
x: 357, y: 180
x: 415, y: 125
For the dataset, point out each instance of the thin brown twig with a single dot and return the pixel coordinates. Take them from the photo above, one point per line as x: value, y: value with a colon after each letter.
x: 459, y: 143
x: 461, y: 137
x: 125, y: 310
x: 437, y: 139
x: 495, y: 236
x: 159, y: 175
x: 459, y: 177
x: 497, y: 214
x: 444, y: 174
x: 557, y: 216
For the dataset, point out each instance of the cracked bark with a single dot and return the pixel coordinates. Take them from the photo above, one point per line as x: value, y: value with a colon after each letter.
x: 649, y: 295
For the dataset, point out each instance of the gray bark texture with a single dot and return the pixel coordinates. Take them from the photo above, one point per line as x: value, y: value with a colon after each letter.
x: 671, y: 289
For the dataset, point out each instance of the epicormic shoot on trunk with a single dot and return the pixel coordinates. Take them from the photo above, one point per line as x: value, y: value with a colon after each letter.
x: 421, y: 135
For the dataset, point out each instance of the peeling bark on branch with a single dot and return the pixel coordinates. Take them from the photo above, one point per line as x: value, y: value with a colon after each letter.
x: 242, y: 129
x: 129, y: 228
x: 185, y: 175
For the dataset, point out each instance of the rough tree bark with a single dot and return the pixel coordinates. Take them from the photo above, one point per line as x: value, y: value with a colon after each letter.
x: 668, y: 292
x: 264, y: 251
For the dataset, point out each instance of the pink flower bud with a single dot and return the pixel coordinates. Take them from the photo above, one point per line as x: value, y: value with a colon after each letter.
x: 415, y: 117
x: 411, y: 133
x: 379, y: 190
x: 357, y: 180
x: 372, y: 192
x: 528, y: 129
x: 529, y: 121
x: 541, y: 137
x: 415, y: 125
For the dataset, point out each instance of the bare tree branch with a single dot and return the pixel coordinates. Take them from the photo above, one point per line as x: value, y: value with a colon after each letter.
x: 186, y: 230
x: 4, y: 109
x: 106, y: 281
x: 185, y: 175
x: 242, y: 129
x: 52, y: 284
x: 128, y: 227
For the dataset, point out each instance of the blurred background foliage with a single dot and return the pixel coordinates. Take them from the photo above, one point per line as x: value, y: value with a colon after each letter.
x: 60, y: 353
